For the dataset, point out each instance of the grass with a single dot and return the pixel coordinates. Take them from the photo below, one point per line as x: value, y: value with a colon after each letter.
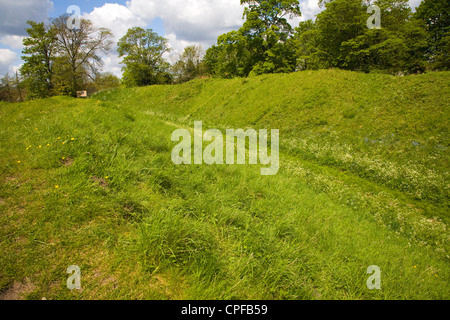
x: 363, y: 181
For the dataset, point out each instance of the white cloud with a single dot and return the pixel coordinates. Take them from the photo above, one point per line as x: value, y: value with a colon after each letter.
x: 7, y: 57
x: 414, y: 4
x: 309, y: 8
x: 177, y: 47
x: 192, y: 20
x: 14, y: 42
x: 117, y: 18
x: 12, y: 69
x: 201, y: 21
x: 112, y: 64
x: 186, y: 22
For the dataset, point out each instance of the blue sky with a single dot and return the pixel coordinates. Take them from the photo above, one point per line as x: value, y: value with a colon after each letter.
x: 86, y: 6
x: 183, y: 22
x: 60, y: 6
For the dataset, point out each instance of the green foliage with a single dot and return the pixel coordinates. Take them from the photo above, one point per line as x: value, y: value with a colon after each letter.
x: 305, y: 41
x: 435, y: 16
x: 143, y: 58
x: 6, y: 89
x: 190, y: 65
x: 339, y: 38
x: 40, y: 51
x: 386, y: 51
x: 106, y: 81
x: 342, y: 21
x: 260, y: 46
x: 343, y: 40
x: 266, y: 20
x: 231, y: 56
x: 79, y: 52
x: 59, y: 60
x: 394, y: 14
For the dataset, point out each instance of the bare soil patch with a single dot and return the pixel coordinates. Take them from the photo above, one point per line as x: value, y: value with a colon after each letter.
x: 18, y: 290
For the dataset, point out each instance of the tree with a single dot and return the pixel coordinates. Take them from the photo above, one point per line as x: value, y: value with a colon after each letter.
x: 435, y: 17
x: 59, y: 60
x: 267, y: 31
x: 261, y: 45
x: 11, y: 88
x: 305, y: 44
x: 39, y: 56
x: 344, y: 41
x: 231, y: 57
x: 341, y: 21
x: 265, y: 15
x: 79, y: 51
x: 399, y: 46
x: 143, y: 58
x: 189, y: 65
x: 17, y: 83
x: 6, y: 92
x: 394, y: 14
x: 375, y: 50
x: 105, y: 81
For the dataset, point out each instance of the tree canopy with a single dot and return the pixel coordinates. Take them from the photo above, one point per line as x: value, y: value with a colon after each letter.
x: 338, y: 38
x: 59, y: 60
x: 142, y: 52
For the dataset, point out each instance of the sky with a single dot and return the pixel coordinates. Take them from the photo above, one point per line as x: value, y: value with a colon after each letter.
x: 182, y: 22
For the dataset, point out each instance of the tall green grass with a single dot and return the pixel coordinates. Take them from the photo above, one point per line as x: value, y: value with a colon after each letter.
x: 96, y: 187
x: 391, y: 130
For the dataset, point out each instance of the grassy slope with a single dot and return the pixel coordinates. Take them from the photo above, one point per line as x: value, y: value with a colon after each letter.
x: 363, y: 181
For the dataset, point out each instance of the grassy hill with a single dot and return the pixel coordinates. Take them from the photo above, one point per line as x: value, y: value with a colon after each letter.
x: 363, y: 181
